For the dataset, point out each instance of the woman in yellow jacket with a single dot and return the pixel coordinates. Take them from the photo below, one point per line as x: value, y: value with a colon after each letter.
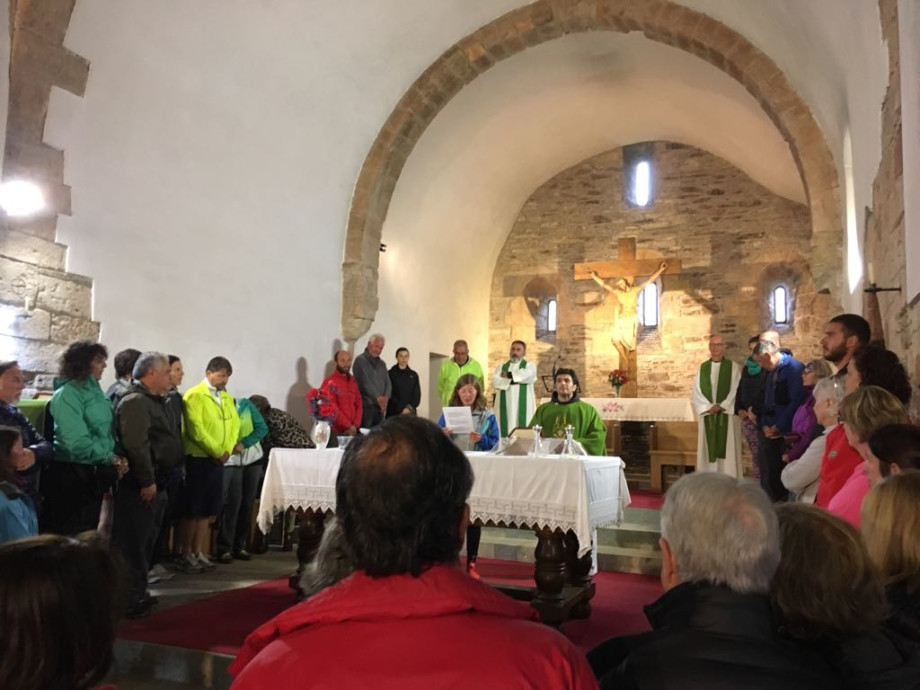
x: 211, y: 435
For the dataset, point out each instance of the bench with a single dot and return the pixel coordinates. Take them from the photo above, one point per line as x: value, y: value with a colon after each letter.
x: 674, y: 444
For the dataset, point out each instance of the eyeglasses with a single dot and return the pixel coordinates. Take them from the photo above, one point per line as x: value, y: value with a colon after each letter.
x: 808, y: 369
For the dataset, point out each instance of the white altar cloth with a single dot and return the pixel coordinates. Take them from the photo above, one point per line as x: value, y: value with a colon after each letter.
x: 579, y: 494
x: 642, y: 409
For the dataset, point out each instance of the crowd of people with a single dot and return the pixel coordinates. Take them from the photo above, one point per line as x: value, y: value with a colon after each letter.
x: 148, y: 468
x: 807, y: 578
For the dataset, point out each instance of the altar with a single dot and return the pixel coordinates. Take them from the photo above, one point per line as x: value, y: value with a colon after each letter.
x: 562, y: 500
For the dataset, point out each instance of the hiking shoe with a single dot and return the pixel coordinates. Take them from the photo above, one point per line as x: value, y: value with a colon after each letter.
x: 243, y: 555
x: 205, y: 562
x: 140, y: 609
x: 225, y: 557
x: 159, y: 574
x: 188, y: 564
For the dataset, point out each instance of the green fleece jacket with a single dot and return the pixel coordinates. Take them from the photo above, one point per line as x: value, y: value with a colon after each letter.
x: 83, y: 430
x: 211, y: 429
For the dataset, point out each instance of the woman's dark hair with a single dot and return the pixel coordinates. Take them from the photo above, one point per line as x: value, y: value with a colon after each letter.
x: 60, y: 601
x: 262, y: 404
x: 402, y: 349
x: 173, y: 359
x: 77, y: 358
x: 8, y: 437
x: 400, y: 497
x: 826, y: 584
x: 468, y: 380
x: 880, y: 367
x: 897, y: 444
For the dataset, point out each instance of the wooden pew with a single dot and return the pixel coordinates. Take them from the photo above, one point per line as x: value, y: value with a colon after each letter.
x: 673, y: 445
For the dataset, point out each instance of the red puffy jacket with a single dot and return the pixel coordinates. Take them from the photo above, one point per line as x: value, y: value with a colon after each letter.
x: 440, y: 630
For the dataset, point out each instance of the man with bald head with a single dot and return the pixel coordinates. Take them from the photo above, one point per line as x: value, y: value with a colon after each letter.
x: 373, y: 381
x: 719, y: 445
x: 342, y: 390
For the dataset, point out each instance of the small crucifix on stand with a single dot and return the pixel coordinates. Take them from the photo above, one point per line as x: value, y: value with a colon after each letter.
x: 626, y: 318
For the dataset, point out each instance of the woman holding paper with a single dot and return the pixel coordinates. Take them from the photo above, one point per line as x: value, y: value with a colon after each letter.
x: 483, y: 437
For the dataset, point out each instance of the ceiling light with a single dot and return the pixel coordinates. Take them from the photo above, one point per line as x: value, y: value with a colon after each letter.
x: 21, y: 198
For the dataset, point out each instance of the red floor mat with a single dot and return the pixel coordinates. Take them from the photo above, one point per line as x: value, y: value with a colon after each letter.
x: 220, y: 623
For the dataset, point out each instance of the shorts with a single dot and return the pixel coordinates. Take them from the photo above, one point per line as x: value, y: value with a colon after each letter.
x: 204, y: 488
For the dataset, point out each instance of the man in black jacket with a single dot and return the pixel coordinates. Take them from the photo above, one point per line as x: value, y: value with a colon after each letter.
x: 713, y: 628
x: 149, y: 440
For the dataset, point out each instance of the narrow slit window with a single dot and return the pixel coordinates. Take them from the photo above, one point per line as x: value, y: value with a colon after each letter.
x: 551, y: 316
x: 642, y: 183
x: 780, y: 305
x: 647, y: 306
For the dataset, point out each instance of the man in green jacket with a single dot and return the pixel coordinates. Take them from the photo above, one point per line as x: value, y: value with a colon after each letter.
x: 212, y: 431
x: 458, y: 365
x: 149, y: 440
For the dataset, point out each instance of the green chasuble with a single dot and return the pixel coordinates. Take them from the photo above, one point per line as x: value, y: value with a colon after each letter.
x: 589, y: 428
x: 716, y: 425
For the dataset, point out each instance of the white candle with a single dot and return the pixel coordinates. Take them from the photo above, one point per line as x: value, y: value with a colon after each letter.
x: 871, y: 273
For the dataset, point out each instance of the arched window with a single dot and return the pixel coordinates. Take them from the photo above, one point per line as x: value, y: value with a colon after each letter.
x: 780, y: 305
x: 647, y: 306
x: 547, y: 319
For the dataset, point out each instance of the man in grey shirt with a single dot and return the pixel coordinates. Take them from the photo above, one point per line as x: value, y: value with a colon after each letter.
x: 373, y: 380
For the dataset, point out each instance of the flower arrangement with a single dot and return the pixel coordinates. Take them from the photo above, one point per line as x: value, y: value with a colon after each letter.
x: 321, y: 408
x: 612, y: 408
x: 618, y: 378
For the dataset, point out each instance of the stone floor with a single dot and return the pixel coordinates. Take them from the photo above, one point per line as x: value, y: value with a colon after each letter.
x: 143, y: 666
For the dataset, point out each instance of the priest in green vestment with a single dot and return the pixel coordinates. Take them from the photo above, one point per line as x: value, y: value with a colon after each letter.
x: 719, y: 445
x: 513, y: 383
x: 565, y: 408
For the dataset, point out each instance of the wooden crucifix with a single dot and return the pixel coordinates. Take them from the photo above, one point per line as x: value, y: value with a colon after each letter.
x: 626, y: 318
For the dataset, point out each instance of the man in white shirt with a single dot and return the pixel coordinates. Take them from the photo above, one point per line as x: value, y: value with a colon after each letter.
x: 513, y: 382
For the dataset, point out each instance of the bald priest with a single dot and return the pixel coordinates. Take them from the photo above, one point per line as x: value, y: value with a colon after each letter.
x: 719, y: 445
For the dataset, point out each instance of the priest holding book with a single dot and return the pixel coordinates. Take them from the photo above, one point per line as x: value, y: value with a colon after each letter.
x: 719, y: 446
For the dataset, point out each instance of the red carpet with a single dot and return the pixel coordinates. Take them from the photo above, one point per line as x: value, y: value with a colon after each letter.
x: 220, y: 623
x: 646, y: 499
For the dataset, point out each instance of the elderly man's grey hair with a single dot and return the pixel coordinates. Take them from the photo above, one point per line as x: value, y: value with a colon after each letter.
x: 830, y: 388
x: 721, y: 530
x: 147, y: 362
x: 374, y: 337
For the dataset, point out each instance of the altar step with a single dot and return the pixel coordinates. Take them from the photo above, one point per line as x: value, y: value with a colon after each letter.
x: 630, y: 548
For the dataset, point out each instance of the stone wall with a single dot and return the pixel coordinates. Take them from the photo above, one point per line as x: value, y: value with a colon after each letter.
x: 42, y: 306
x: 735, y: 240
x: 885, y: 230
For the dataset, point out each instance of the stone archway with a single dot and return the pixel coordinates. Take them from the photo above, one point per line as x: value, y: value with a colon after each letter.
x: 545, y: 20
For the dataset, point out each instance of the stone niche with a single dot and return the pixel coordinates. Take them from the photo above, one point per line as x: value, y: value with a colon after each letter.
x: 736, y: 242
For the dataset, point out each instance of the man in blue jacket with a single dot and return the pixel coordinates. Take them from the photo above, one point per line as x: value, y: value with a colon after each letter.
x: 784, y: 393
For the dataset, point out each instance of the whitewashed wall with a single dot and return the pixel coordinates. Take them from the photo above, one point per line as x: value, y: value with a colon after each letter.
x: 214, y: 155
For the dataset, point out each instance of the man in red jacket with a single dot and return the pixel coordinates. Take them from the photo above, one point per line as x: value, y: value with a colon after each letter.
x: 409, y: 617
x: 344, y: 395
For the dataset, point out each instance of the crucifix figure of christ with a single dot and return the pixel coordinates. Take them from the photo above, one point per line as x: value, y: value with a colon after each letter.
x: 626, y: 318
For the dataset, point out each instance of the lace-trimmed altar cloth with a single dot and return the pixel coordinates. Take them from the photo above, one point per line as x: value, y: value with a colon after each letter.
x: 549, y: 492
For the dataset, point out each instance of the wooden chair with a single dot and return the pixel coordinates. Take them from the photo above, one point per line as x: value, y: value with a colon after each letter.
x: 674, y: 444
